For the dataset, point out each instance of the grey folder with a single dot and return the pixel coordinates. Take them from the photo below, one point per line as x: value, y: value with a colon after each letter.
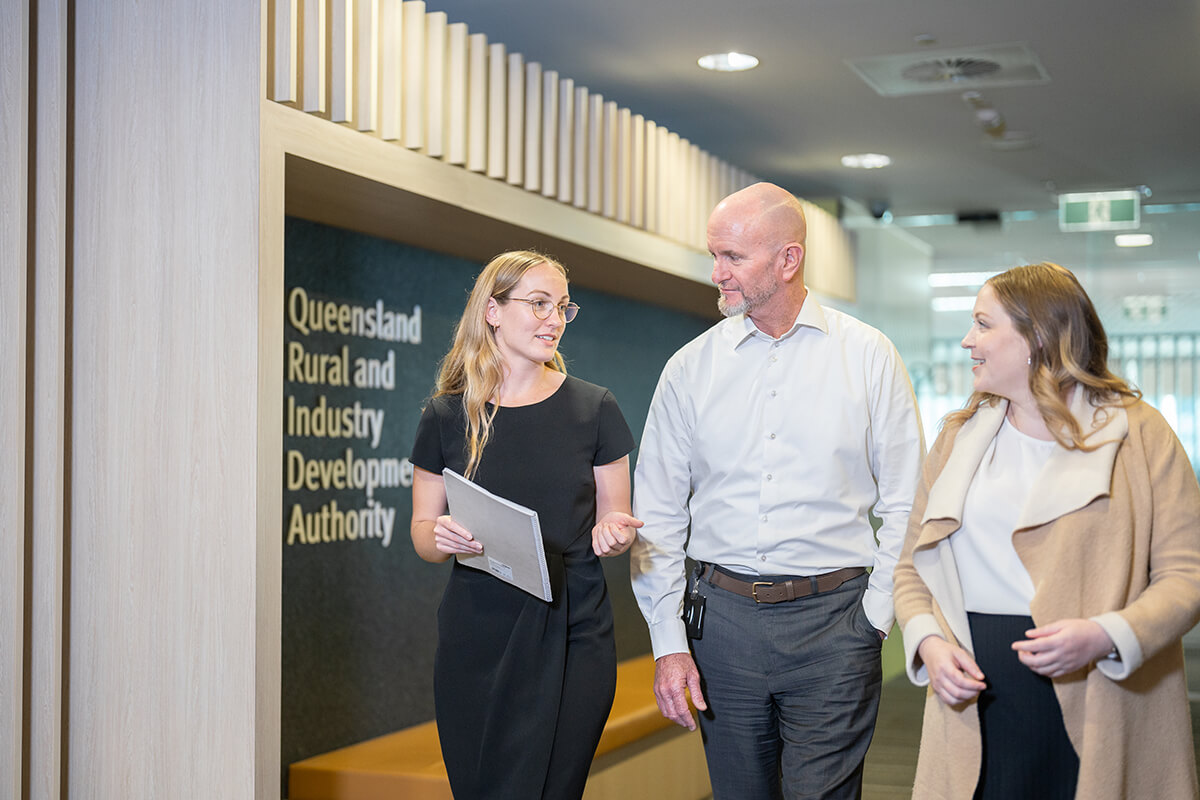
x: 510, y: 535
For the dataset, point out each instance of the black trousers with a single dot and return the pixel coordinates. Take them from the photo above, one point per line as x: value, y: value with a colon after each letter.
x: 1026, y: 752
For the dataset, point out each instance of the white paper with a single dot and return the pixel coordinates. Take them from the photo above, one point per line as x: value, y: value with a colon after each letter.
x: 510, y: 534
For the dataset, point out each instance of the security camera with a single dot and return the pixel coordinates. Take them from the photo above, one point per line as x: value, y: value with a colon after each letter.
x: 879, y: 208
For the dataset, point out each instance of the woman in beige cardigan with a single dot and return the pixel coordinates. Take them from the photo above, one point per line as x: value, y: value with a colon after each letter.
x: 1051, y: 567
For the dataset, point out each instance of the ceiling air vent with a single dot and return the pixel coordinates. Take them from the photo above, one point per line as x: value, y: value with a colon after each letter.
x: 949, y: 69
x: 981, y: 67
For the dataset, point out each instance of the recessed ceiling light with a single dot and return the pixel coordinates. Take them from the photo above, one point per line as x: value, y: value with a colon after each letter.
x: 1133, y: 239
x: 728, y: 62
x: 866, y: 161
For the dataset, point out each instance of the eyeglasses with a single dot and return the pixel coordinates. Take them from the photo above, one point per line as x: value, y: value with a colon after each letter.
x: 542, y: 308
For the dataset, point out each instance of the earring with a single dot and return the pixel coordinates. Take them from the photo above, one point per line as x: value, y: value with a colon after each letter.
x: 1029, y: 361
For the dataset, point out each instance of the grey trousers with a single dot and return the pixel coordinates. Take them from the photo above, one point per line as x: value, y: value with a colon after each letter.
x: 792, y: 691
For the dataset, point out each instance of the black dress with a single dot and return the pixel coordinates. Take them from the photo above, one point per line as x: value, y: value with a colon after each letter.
x: 522, y: 688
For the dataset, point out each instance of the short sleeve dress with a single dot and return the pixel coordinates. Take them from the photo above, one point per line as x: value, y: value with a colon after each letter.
x: 522, y: 687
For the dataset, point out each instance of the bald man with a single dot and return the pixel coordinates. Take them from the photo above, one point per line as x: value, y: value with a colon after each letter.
x: 769, y: 439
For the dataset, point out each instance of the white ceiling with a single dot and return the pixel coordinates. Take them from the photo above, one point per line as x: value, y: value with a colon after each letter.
x: 1121, y: 107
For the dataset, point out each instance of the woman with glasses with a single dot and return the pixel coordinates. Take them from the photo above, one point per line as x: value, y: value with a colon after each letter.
x: 522, y: 687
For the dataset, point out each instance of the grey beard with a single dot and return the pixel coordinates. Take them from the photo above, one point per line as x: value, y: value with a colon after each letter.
x: 750, y: 300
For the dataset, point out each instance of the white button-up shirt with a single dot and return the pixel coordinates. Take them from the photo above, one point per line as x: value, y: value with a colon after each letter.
x: 770, y: 452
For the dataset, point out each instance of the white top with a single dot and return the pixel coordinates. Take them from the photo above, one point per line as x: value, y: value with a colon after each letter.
x: 994, y: 580
x: 771, y: 451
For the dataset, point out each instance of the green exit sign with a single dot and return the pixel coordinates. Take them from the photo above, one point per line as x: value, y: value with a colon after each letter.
x: 1100, y: 211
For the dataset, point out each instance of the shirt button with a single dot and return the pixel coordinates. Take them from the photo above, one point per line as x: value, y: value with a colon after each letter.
x: 764, y: 519
x: 762, y: 558
x: 773, y: 359
x: 773, y: 393
x: 768, y: 476
x: 772, y: 436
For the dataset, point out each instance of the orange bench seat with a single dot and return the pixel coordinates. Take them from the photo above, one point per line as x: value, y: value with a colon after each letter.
x: 408, y: 763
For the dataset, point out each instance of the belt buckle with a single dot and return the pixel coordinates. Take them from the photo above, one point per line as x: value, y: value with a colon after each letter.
x: 754, y: 589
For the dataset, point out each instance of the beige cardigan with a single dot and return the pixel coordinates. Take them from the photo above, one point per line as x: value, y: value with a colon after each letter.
x: 1112, y: 535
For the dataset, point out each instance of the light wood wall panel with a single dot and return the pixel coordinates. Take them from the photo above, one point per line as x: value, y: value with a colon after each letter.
x: 456, y: 93
x: 514, y: 128
x: 579, y: 149
x: 609, y: 166
x: 49, y: 375
x: 312, y: 53
x: 365, y: 58
x: 550, y: 133
x: 594, y: 176
x: 413, y: 72
x: 497, y: 109
x: 163, y: 414
x: 14, y: 249
x: 533, y: 127
x: 339, y: 63
x: 477, y: 102
x: 652, y: 186
x: 566, y: 139
x: 282, y: 28
x: 391, y: 40
x: 435, y: 84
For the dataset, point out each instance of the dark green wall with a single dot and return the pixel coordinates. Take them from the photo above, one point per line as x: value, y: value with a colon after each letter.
x: 359, y: 617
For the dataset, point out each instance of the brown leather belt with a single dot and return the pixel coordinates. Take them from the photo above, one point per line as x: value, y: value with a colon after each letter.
x: 779, y: 591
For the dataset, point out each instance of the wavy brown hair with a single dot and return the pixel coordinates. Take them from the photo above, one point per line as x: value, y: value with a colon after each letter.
x: 1067, y: 345
x: 474, y: 367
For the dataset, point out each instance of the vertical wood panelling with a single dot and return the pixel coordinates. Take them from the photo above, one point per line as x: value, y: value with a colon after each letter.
x: 435, y: 84
x: 595, y: 153
x: 47, y: 511
x: 413, y: 84
x: 283, y: 26
x: 699, y: 175
x: 268, y: 645
x: 312, y: 56
x: 485, y: 109
x: 514, y: 171
x: 609, y: 164
x: 624, y: 163
x: 637, y: 171
x: 533, y: 127
x: 651, y: 192
x: 456, y: 93
x: 390, y: 59
x: 477, y: 102
x: 579, y: 149
x: 550, y: 134
x: 14, y: 248
x: 566, y: 139
x: 366, y: 64
x: 339, y: 47
x: 497, y: 114
x: 676, y: 176
x: 164, y: 410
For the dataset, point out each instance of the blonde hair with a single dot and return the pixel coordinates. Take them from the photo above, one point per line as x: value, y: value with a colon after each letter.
x: 1067, y: 345
x: 474, y: 366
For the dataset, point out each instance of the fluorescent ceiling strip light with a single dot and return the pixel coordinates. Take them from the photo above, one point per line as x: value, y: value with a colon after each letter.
x: 963, y: 303
x: 942, y: 279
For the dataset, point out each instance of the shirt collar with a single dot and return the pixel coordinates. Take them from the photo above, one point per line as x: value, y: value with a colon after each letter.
x: 740, y: 329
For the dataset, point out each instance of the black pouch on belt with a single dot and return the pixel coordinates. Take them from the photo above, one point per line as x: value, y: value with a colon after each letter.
x: 693, y: 606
